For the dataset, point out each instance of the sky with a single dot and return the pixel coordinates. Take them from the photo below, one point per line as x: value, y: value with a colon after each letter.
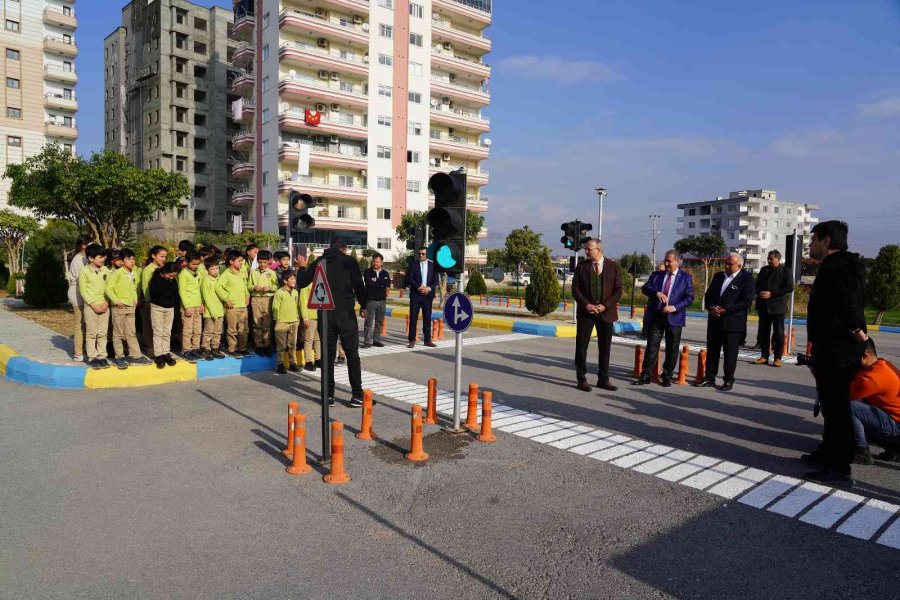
x: 664, y: 103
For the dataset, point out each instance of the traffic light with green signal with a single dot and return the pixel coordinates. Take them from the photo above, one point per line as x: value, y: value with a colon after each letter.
x: 447, y: 221
x: 575, y: 234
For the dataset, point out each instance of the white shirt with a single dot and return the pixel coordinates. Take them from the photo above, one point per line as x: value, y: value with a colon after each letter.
x: 726, y: 283
x: 598, y: 270
x: 668, y: 277
x: 423, y: 266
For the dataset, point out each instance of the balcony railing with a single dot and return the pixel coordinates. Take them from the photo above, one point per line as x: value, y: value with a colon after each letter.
x: 343, y: 151
x: 335, y: 54
x: 322, y: 181
x: 455, y: 139
x: 52, y: 96
x: 459, y: 85
x: 460, y: 114
x: 440, y: 51
x: 348, y: 24
x: 334, y: 86
x: 343, y: 119
x: 441, y: 24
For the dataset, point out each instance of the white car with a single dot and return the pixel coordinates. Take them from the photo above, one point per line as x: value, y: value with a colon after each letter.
x: 523, y: 279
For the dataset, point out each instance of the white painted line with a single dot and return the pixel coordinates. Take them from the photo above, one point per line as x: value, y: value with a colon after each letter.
x: 768, y: 491
x: 575, y: 440
x: 734, y: 486
x: 664, y: 462
x: 802, y: 496
x: 517, y: 419
x: 867, y: 520
x: 620, y: 450
x: 694, y: 465
x: 521, y: 426
x: 631, y: 460
x: 595, y: 445
x: 705, y: 479
x: 560, y: 434
x: 509, y: 419
x: 827, y: 512
x: 532, y: 433
x: 891, y: 535
x: 511, y: 413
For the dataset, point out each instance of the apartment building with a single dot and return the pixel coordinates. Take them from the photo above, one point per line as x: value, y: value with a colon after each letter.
x: 358, y: 103
x: 752, y: 222
x: 167, y: 107
x: 37, y: 66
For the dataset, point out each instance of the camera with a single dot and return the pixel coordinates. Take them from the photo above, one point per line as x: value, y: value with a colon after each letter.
x: 804, y: 360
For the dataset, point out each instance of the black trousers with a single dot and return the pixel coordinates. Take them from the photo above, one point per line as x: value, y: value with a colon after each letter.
x: 774, y: 324
x: 718, y: 340
x: 833, y: 374
x: 656, y: 329
x: 418, y: 302
x: 342, y: 324
x: 583, y: 330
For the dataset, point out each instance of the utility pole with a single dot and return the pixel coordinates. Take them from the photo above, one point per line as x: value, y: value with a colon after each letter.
x: 654, y: 231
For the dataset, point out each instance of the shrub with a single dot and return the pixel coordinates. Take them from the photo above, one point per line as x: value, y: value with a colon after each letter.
x: 45, y: 284
x: 11, y: 284
x: 542, y: 294
x: 476, y: 284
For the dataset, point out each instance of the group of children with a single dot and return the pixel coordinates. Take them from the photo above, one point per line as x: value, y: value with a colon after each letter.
x: 196, y: 296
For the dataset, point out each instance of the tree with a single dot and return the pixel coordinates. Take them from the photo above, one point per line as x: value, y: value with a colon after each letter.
x: 45, y: 282
x: 496, y: 257
x: 884, y: 281
x: 475, y: 284
x: 411, y: 218
x: 107, y: 193
x: 705, y: 247
x: 644, y: 263
x: 56, y: 235
x: 14, y: 230
x: 521, y: 246
x: 542, y: 294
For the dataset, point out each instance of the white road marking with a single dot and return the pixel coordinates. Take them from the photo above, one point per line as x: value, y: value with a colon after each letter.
x: 613, y: 440
x: 891, y: 535
x: 802, y: 496
x: 867, y: 520
x: 560, y: 434
x: 620, y: 450
x: 693, y: 465
x: 664, y: 462
x: 767, y: 492
x: 827, y: 512
x: 644, y: 455
x: 570, y: 442
x: 740, y: 483
x: 715, y: 474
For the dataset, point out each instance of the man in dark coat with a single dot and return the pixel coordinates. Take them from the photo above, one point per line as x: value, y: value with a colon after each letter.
x: 597, y: 288
x: 423, y: 282
x: 774, y: 285
x: 728, y: 298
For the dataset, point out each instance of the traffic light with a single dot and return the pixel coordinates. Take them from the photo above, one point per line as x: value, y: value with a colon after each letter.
x: 299, y: 218
x: 575, y: 234
x: 447, y: 221
x: 415, y: 237
x: 793, y: 254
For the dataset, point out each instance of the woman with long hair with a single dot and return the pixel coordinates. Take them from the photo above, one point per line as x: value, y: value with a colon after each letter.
x: 75, y: 265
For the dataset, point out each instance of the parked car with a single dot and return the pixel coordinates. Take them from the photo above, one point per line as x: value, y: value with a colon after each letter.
x: 524, y: 279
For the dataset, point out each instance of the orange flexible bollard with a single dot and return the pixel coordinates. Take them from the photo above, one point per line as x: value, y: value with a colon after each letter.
x: 486, y: 434
x: 793, y: 336
x: 416, y: 451
x: 784, y: 347
x: 638, y: 360
x: 401, y: 293
x: 434, y: 327
x: 293, y: 409
x: 440, y: 329
x: 701, y: 367
x: 365, y: 429
x: 521, y: 302
x: 299, y: 466
x: 684, y: 365
x: 472, y: 410
x: 337, y: 473
x: 655, y: 375
x: 431, y: 407
x: 507, y: 302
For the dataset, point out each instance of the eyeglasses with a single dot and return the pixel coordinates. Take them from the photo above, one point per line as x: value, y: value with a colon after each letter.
x: 421, y: 254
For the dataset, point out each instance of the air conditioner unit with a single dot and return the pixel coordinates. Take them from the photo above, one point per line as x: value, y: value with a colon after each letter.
x: 334, y: 139
x: 357, y: 19
x: 435, y: 162
x: 322, y: 43
x: 320, y: 12
x: 320, y: 107
x: 336, y: 107
x: 448, y: 46
x: 446, y: 101
x: 319, y: 139
x: 452, y: 77
x: 445, y: 157
x: 292, y: 74
x: 285, y: 175
x: 323, y: 74
x: 334, y: 76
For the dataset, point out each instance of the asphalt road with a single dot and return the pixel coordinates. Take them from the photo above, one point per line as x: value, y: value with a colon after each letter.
x: 178, y: 491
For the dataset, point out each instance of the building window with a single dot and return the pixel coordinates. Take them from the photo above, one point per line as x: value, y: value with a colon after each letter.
x: 265, y: 146
x: 692, y: 212
x: 776, y: 210
x: 385, y: 31
x: 386, y: 3
x: 384, y: 90
x: 12, y: 54
x: 415, y: 97
x: 12, y: 26
x: 200, y: 120
x: 265, y: 83
x: 200, y: 48
x: 692, y: 225
x: 199, y: 96
x: 383, y: 213
x: 180, y: 164
x: 765, y: 208
x: 732, y: 208
x: 384, y: 151
x: 266, y: 20
x: 415, y: 69
x: 12, y: 83
x: 13, y: 113
x: 265, y: 209
x: 181, y: 215
x: 265, y: 114
x: 346, y: 181
x: 765, y: 222
x: 265, y: 178
x: 199, y: 143
x: 384, y: 243
x: 384, y: 183
x: 731, y: 222
x: 775, y: 224
x: 180, y: 16
x: 386, y: 60
x: 180, y: 91
x: 181, y: 115
x: 384, y: 120
x: 265, y: 52
x: 180, y: 139
x: 199, y: 191
x: 415, y: 128
x: 415, y: 39
x: 13, y: 141
x: 413, y: 186
x: 416, y: 10
x: 788, y: 210
x: 199, y: 24
x: 412, y: 156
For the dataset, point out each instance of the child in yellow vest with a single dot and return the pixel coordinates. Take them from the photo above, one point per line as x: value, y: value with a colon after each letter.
x: 262, y: 284
x: 286, y: 312
x: 232, y: 291
x: 122, y: 292
x: 191, y: 306
x: 213, y: 312
x: 92, y: 285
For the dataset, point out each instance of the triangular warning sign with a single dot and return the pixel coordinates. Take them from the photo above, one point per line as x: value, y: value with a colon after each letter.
x: 320, y: 297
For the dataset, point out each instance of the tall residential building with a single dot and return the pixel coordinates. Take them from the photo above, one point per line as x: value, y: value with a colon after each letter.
x: 358, y: 103
x: 167, y: 106
x: 752, y: 222
x: 37, y: 41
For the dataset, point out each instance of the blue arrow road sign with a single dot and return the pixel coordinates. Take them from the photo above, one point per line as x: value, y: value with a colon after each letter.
x: 458, y: 312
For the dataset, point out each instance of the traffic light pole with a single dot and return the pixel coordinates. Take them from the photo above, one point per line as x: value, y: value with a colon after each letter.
x: 325, y: 380
x: 577, y: 243
x: 457, y: 370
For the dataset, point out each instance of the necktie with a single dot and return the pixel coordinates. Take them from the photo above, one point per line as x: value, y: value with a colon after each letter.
x: 597, y: 268
x: 668, y: 285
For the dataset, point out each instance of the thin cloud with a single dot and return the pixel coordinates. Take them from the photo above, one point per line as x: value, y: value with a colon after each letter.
x: 806, y: 144
x: 889, y: 107
x: 558, y: 69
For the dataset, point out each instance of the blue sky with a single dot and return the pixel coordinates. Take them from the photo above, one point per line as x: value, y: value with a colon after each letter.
x: 665, y: 102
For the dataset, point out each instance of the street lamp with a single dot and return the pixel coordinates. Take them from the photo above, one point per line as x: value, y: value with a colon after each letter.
x: 600, y: 192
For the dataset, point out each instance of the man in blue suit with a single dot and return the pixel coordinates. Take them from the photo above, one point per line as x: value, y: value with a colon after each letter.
x: 670, y: 293
x: 423, y: 281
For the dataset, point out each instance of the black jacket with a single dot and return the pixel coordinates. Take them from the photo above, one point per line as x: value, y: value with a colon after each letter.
x: 778, y: 281
x: 377, y: 284
x: 163, y: 292
x: 343, y: 276
x: 736, y: 301
x: 836, y: 305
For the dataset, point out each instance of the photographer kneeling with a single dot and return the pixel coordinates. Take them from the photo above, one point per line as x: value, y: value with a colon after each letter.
x: 875, y: 407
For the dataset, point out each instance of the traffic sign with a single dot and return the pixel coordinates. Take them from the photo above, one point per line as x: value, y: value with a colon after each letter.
x: 498, y: 275
x: 320, y: 297
x: 458, y: 312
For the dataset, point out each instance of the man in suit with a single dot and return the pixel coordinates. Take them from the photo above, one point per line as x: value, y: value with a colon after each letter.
x: 423, y: 281
x: 728, y: 297
x: 773, y: 291
x: 597, y: 288
x: 670, y: 293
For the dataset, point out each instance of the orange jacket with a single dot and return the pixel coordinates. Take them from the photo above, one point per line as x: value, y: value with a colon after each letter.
x: 879, y: 385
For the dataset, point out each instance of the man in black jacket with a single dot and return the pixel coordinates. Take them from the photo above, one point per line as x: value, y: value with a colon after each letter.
x: 728, y: 297
x: 836, y: 326
x: 378, y: 282
x: 773, y: 292
x: 345, y: 282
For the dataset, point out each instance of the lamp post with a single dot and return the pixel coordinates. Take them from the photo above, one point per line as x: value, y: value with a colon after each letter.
x: 600, y: 192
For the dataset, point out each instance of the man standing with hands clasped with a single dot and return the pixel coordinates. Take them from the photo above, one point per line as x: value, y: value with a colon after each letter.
x: 422, y: 283
x: 378, y: 282
x: 773, y: 289
x: 597, y: 288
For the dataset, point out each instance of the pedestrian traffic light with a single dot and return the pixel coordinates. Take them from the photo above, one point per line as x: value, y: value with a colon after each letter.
x: 575, y: 234
x: 299, y: 218
x: 415, y: 237
x: 447, y: 221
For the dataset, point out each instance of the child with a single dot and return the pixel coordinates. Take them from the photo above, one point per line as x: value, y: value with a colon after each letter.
x: 184, y: 246
x: 79, y: 260
x: 92, y: 285
x: 156, y: 257
x: 285, y: 311
x: 113, y: 260
x: 250, y: 262
x: 311, y: 344
x: 284, y: 262
x: 163, y: 298
x: 262, y: 286
x: 121, y: 290
x: 191, y: 306
x: 232, y: 291
x: 213, y: 312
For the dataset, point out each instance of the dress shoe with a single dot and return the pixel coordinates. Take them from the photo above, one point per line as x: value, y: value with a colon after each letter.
x: 776, y: 362
x: 816, y: 457
x: 584, y: 386
x: 726, y: 387
x: 830, y: 477
x: 606, y: 385
x: 367, y: 344
x: 642, y: 381
x: 411, y: 345
x: 666, y: 382
x: 862, y: 456
x: 378, y: 344
x: 430, y: 344
x: 762, y: 361
x: 890, y: 454
x: 706, y: 383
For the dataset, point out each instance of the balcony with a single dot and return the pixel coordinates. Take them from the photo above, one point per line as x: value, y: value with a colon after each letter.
x: 243, y: 28
x: 443, y: 32
x: 248, y: 110
x: 311, y: 90
x: 242, y: 170
x: 458, y: 146
x: 243, y: 84
x: 324, y: 156
x: 313, y: 57
x: 243, y: 139
x: 294, y: 120
x: 449, y: 60
x: 55, y: 16
x: 319, y: 24
x: 60, y: 46
x: 60, y: 101
x: 243, y: 55
x: 59, y: 129
x: 473, y: 176
x: 320, y: 186
x: 473, y: 203
x: 242, y: 197
x: 326, y: 220
x: 455, y: 117
x: 458, y: 90
x: 60, y: 74
x: 469, y: 10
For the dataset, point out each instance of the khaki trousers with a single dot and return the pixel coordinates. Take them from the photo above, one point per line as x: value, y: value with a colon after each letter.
x: 147, y: 329
x: 123, y: 329
x: 79, y: 327
x: 162, y: 329
x: 286, y: 338
x: 191, y: 328
x: 236, y: 328
x: 312, y: 347
x: 96, y: 330
x: 212, y: 333
x: 262, y: 321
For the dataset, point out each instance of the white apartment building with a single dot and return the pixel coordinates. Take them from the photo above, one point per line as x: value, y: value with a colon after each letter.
x: 752, y: 222
x: 37, y: 66
x: 358, y: 103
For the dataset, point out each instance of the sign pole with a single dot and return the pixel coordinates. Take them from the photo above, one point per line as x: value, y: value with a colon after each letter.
x: 457, y: 371
x: 326, y: 369
x: 458, y: 315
